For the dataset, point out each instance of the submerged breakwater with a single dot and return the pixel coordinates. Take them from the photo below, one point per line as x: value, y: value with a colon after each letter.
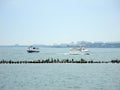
x: 56, y: 61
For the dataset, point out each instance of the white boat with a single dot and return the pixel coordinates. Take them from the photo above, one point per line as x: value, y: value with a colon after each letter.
x: 31, y: 49
x: 77, y: 51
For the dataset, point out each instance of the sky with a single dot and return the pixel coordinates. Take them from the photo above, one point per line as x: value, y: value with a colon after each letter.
x: 29, y: 22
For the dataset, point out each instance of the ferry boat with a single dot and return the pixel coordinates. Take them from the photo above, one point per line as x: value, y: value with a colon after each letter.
x: 31, y: 49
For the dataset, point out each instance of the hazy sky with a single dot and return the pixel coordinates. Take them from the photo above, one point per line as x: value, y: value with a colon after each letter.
x: 58, y: 21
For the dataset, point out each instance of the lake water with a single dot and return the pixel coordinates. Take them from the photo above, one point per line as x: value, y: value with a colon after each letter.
x: 59, y: 76
x: 20, y: 53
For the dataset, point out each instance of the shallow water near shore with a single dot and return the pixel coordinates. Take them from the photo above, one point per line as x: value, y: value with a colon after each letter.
x: 60, y: 77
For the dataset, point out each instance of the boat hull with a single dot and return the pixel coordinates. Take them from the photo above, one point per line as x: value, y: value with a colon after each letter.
x: 31, y: 51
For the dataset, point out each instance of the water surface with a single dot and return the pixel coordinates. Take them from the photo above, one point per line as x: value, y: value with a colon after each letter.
x: 20, y: 53
x: 60, y: 77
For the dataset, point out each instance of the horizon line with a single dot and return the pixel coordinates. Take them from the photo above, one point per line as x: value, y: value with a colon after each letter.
x: 60, y: 43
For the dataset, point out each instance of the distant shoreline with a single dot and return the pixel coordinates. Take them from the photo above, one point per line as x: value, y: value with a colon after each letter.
x: 85, y: 44
x: 57, y: 46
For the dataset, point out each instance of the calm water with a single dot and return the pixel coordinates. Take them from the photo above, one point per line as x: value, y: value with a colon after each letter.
x: 19, y: 53
x: 59, y: 76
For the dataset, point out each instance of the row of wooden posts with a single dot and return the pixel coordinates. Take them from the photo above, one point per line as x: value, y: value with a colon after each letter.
x: 55, y: 61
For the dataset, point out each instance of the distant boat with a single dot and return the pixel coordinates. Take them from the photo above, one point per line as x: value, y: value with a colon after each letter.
x: 77, y: 51
x: 31, y: 49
